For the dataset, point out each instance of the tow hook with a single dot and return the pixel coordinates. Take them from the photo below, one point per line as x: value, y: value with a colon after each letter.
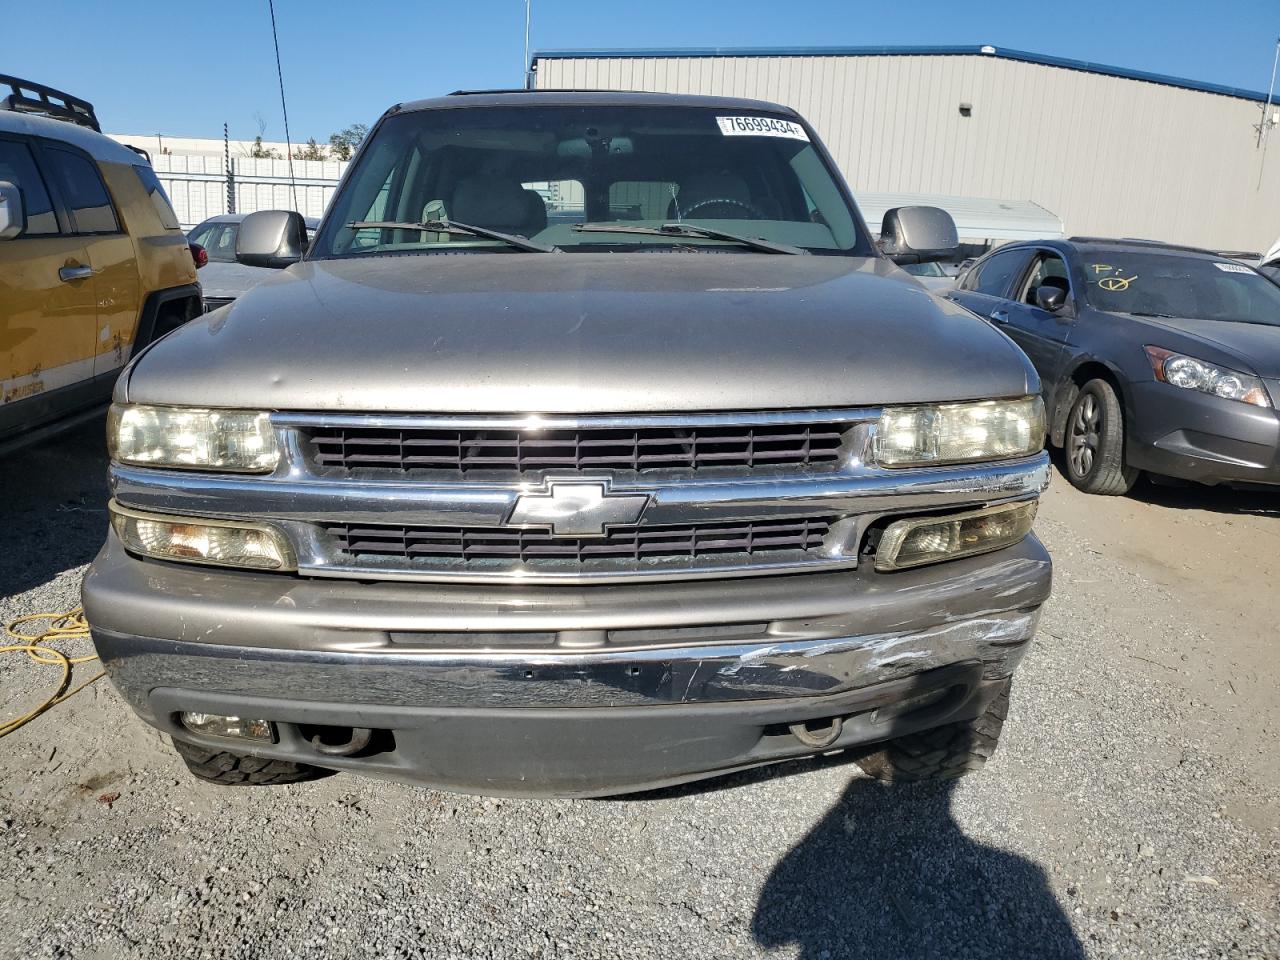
x: 822, y: 737
x: 360, y: 737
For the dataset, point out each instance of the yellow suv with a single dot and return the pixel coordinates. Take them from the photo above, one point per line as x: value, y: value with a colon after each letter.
x: 93, y: 263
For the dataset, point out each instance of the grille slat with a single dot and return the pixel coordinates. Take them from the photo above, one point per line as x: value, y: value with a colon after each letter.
x: 668, y: 541
x: 513, y: 451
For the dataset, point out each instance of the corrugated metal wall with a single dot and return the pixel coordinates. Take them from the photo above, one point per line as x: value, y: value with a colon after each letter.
x: 1112, y: 156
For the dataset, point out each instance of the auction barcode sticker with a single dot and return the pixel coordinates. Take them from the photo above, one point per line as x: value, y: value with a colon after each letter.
x: 761, y: 127
x: 1232, y: 267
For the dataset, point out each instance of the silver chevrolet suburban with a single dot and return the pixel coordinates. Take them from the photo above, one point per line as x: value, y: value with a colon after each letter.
x: 592, y: 445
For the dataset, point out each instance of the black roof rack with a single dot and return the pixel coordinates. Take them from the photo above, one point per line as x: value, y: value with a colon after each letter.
x: 481, y: 93
x: 24, y: 96
x: 1139, y: 242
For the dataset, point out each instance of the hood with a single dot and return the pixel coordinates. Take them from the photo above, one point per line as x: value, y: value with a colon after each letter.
x: 220, y: 280
x: 581, y: 333
x: 1251, y: 346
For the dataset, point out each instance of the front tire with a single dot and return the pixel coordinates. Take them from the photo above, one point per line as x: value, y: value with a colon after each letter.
x: 228, y: 769
x: 1094, y: 442
x: 943, y: 753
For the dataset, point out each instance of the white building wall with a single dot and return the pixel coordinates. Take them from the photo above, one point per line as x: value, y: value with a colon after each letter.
x: 1112, y: 156
x: 197, y: 184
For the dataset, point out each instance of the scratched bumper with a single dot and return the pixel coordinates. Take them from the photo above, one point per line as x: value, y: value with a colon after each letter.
x: 563, y: 690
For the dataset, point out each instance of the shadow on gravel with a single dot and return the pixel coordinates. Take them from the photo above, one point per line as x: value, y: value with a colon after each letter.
x: 1183, y: 495
x: 889, y: 874
x: 53, y: 507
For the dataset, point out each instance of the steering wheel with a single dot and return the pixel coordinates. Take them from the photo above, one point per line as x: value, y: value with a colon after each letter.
x: 755, y: 213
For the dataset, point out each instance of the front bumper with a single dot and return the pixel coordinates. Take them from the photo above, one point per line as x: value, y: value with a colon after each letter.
x: 1194, y: 436
x: 562, y: 690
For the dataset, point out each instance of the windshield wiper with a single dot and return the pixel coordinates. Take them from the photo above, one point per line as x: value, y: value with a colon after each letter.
x: 453, y: 226
x: 1141, y: 313
x: 689, y: 230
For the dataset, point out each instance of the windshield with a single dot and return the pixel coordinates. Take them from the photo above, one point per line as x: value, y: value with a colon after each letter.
x: 538, y: 171
x: 1170, y: 285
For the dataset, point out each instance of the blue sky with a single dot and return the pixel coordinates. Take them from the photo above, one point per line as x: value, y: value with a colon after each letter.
x: 149, y: 68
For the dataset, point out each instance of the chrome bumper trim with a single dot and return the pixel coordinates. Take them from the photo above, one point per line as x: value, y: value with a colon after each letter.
x: 505, y: 679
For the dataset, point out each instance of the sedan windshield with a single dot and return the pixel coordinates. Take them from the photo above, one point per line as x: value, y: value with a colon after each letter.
x: 545, y: 172
x: 1170, y: 285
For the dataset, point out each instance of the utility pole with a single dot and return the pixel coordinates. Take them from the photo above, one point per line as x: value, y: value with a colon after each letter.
x: 528, y: 15
x: 231, y: 177
x: 1264, y: 123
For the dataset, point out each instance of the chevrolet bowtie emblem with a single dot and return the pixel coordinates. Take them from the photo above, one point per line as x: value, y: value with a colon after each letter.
x: 576, y: 509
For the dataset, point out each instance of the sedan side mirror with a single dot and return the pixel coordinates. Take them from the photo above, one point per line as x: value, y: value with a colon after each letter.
x: 271, y: 238
x: 918, y: 234
x: 1051, y: 298
x: 13, y: 219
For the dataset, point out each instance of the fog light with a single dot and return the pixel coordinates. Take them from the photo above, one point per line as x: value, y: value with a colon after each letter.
x: 912, y: 543
x: 224, y: 543
x: 215, y: 725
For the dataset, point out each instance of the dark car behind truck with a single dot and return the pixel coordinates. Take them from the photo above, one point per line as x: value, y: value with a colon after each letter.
x: 592, y: 446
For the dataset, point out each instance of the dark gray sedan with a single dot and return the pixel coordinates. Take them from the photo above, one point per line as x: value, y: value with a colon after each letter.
x: 1152, y: 357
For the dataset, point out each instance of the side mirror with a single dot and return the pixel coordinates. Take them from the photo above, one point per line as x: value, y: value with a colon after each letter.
x: 918, y: 234
x: 13, y: 219
x: 271, y: 238
x: 1050, y: 297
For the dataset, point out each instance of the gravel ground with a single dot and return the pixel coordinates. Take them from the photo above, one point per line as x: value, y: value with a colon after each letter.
x: 1132, y: 810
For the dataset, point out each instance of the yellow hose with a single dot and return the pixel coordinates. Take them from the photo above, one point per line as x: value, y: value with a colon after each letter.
x: 61, y: 626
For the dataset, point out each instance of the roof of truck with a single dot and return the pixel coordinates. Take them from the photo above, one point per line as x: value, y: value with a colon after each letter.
x: 586, y: 98
x: 97, y: 145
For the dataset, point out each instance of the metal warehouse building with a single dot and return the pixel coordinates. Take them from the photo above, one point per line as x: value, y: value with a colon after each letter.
x: 1112, y: 152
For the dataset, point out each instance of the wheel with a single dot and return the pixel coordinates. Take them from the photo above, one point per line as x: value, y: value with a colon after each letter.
x: 942, y: 753
x: 1094, y: 442
x: 229, y: 769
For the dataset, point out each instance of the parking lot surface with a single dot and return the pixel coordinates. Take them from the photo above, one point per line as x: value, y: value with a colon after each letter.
x: 1133, y: 809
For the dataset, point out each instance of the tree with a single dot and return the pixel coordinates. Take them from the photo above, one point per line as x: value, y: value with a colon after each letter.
x: 312, y: 151
x: 344, y: 142
x: 260, y: 152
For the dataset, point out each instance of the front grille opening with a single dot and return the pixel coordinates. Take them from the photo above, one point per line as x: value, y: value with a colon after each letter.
x: 513, y: 451
x: 748, y: 538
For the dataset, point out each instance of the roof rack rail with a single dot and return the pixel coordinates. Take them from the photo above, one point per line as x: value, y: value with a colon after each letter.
x: 25, y: 96
x: 480, y: 93
x: 1141, y: 242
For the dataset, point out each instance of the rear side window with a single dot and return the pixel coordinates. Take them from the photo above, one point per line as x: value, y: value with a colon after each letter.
x: 85, y: 193
x: 994, y: 275
x: 19, y: 168
x: 159, y: 199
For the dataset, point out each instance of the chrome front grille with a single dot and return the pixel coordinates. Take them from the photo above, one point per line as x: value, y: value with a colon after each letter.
x: 476, y: 498
x: 479, y: 545
x: 517, y: 451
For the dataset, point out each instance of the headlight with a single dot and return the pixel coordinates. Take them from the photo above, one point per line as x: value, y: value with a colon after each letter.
x: 222, y: 543
x: 237, y: 441
x: 911, y: 543
x: 1189, y: 373
x: 959, y: 432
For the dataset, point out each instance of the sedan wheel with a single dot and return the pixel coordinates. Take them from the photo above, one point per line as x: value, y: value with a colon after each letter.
x: 1095, y: 442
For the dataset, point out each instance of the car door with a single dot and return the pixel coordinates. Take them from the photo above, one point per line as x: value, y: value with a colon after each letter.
x: 1040, y: 333
x: 48, y: 308
x: 985, y: 287
x: 96, y: 220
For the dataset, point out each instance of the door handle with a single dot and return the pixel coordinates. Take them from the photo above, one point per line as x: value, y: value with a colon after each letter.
x: 67, y: 274
x: 1000, y: 316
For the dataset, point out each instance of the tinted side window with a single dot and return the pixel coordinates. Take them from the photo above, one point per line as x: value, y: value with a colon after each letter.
x: 85, y: 193
x: 159, y: 199
x: 221, y: 244
x: 1051, y: 270
x: 19, y: 168
x: 995, y: 275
